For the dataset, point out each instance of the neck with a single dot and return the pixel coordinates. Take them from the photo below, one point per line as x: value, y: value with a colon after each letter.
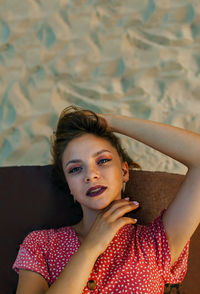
x: 89, y: 216
x: 84, y: 226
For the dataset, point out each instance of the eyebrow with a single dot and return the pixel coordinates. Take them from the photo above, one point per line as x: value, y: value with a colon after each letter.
x: 94, y: 155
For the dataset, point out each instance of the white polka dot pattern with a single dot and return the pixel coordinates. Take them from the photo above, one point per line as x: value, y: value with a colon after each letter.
x: 136, y: 261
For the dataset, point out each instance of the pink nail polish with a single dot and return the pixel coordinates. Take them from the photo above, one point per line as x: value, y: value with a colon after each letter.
x: 127, y: 198
x: 135, y: 202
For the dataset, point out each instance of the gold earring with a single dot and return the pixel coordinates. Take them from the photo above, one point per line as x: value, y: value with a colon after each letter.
x: 124, y: 186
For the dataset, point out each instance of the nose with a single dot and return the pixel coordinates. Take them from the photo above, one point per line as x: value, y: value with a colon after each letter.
x: 92, y: 174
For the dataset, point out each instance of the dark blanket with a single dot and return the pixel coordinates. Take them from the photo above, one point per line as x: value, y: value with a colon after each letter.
x: 30, y: 201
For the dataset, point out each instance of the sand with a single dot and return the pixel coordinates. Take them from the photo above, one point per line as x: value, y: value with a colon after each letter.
x: 136, y: 58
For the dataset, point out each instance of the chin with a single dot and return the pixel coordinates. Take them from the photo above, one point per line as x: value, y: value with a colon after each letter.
x: 99, y: 206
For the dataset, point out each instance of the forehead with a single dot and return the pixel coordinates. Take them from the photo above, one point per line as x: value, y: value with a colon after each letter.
x: 87, y: 145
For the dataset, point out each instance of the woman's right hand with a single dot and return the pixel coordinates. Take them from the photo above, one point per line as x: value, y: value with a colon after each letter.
x: 107, y: 224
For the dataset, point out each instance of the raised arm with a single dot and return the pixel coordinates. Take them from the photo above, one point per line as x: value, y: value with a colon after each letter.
x: 183, y: 214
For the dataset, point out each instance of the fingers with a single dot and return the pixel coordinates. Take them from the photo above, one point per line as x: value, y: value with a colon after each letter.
x: 119, y: 208
x: 117, y: 204
x: 119, y: 212
x: 108, y: 222
x: 125, y: 221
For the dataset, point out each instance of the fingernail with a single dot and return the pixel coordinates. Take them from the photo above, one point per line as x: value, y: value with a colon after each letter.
x: 127, y: 198
x: 135, y: 202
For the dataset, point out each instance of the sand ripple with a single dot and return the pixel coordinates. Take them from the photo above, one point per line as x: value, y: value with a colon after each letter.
x: 137, y: 58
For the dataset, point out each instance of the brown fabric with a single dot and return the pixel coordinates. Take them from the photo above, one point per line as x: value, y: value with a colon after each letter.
x: 30, y: 201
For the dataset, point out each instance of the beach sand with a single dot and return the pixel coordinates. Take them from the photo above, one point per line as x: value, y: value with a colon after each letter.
x: 136, y: 58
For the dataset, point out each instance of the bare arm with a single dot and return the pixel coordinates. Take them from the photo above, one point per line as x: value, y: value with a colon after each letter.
x: 75, y: 275
x: 73, y: 278
x: 183, y: 214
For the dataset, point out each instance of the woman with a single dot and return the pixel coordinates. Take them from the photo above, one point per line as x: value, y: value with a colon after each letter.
x: 107, y: 252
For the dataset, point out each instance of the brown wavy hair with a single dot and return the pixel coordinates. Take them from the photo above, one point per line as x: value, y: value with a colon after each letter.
x: 75, y: 122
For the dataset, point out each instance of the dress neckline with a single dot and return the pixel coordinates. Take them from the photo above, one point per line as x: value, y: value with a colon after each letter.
x: 77, y: 235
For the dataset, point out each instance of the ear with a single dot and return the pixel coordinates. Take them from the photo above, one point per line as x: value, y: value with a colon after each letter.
x: 125, y: 171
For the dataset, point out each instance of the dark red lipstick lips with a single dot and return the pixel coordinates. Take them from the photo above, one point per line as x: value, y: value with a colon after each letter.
x: 95, y: 191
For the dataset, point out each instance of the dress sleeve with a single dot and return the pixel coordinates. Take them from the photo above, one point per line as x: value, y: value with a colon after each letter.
x: 32, y: 254
x: 156, y: 235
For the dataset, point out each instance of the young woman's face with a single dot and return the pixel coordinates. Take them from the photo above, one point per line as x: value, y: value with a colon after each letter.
x: 89, y: 162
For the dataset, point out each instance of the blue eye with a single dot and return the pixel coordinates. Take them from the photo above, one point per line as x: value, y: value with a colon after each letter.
x: 74, y: 170
x: 79, y: 168
x: 104, y: 160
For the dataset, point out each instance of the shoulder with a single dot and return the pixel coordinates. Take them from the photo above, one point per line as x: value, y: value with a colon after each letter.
x: 37, y: 237
x: 151, y: 236
x: 153, y: 233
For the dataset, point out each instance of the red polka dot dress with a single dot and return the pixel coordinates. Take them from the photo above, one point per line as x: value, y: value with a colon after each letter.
x: 137, y: 260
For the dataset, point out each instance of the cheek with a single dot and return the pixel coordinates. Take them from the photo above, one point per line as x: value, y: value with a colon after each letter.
x: 116, y: 177
x: 73, y: 183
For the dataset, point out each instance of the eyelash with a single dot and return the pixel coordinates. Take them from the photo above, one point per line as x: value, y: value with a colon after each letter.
x: 71, y: 171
